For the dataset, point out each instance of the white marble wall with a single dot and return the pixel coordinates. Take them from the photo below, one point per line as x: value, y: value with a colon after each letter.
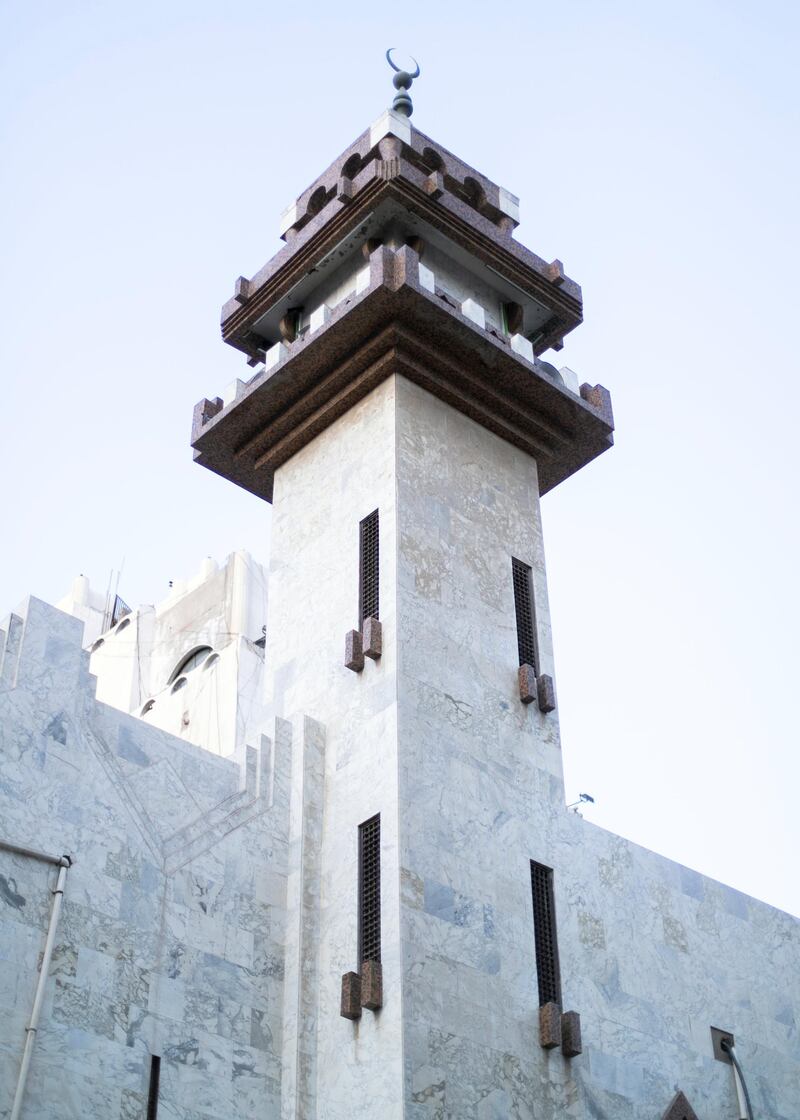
x: 171, y: 934
x: 652, y: 954
x: 211, y: 909
x: 320, y: 496
x: 469, y: 785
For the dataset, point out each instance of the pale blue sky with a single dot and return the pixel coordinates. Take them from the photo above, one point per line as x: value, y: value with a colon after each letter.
x: 148, y: 150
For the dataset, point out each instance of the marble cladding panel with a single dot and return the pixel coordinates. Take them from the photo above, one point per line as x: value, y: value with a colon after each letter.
x: 651, y: 954
x: 174, y: 936
x: 320, y: 496
x: 187, y: 960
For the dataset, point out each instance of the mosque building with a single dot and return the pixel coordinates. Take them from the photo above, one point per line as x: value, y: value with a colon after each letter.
x: 293, y: 844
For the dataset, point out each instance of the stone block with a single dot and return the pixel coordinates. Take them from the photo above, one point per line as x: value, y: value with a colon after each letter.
x: 362, y: 280
x: 275, y: 354
x: 372, y: 985
x: 527, y: 684
x: 522, y: 346
x: 434, y: 185
x: 206, y: 410
x: 555, y: 272
x: 427, y: 280
x: 353, y: 651
x: 508, y: 203
x: 241, y: 292
x: 549, y: 1026
x: 288, y: 219
x: 351, y: 996
x: 372, y: 638
x: 571, y: 1034
x: 344, y: 189
x: 319, y: 317
x: 570, y: 379
x: 473, y: 311
x: 390, y: 123
x: 545, y: 693
x: 600, y: 399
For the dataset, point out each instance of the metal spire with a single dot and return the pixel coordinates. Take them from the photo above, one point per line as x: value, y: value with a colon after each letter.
x: 402, y: 83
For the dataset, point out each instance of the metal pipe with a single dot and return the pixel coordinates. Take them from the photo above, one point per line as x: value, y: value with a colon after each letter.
x: 33, y: 854
x: 63, y: 863
x: 742, y: 1095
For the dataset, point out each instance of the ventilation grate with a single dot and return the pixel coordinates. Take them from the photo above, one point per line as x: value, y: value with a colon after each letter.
x: 523, y: 603
x: 369, y: 890
x: 368, y: 595
x: 152, y: 1096
x: 544, y: 928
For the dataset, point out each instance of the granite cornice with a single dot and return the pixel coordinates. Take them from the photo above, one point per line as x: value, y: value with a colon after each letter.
x: 417, y: 151
x: 396, y: 326
x: 403, y: 182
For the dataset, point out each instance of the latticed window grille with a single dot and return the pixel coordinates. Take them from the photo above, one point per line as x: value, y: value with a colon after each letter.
x: 526, y: 623
x: 544, y: 929
x: 369, y: 890
x: 368, y: 569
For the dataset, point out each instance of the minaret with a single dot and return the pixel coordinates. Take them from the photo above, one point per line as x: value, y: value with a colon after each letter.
x: 403, y: 425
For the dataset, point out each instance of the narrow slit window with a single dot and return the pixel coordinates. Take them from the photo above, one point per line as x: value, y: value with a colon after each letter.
x: 369, y: 890
x: 544, y: 930
x: 152, y: 1095
x: 368, y: 569
x: 526, y: 622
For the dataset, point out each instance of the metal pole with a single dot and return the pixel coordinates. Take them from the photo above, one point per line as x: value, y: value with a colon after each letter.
x: 742, y: 1095
x: 63, y: 863
x: 33, y: 854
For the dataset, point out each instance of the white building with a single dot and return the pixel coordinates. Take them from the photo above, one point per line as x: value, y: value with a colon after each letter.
x: 360, y: 893
x: 193, y: 664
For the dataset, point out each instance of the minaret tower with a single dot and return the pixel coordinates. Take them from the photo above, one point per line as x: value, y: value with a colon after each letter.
x: 404, y: 427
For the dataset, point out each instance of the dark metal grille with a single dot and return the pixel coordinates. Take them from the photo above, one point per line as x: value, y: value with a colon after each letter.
x: 523, y: 603
x: 119, y: 610
x: 544, y: 929
x: 369, y: 890
x: 368, y: 597
x: 152, y: 1096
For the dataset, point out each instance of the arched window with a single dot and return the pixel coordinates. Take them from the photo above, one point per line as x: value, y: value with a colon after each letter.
x: 123, y: 625
x: 148, y: 707
x: 190, y: 661
x: 97, y: 644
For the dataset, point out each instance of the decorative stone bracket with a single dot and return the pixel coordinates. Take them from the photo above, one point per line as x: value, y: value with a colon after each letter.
x: 353, y: 651
x: 372, y: 638
x: 362, y: 991
x: 560, y: 1028
x: 358, y: 644
x: 536, y: 688
x: 571, y: 1044
x: 351, y: 996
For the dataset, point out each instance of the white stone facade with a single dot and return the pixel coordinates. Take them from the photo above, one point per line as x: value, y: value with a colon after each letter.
x: 170, y: 939
x: 212, y: 906
x: 216, y: 619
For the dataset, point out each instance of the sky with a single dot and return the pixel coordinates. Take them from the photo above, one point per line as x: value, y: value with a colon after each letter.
x: 147, y: 152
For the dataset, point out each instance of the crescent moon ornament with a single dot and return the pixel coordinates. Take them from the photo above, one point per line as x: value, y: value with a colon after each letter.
x: 403, y: 69
x: 402, y: 83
